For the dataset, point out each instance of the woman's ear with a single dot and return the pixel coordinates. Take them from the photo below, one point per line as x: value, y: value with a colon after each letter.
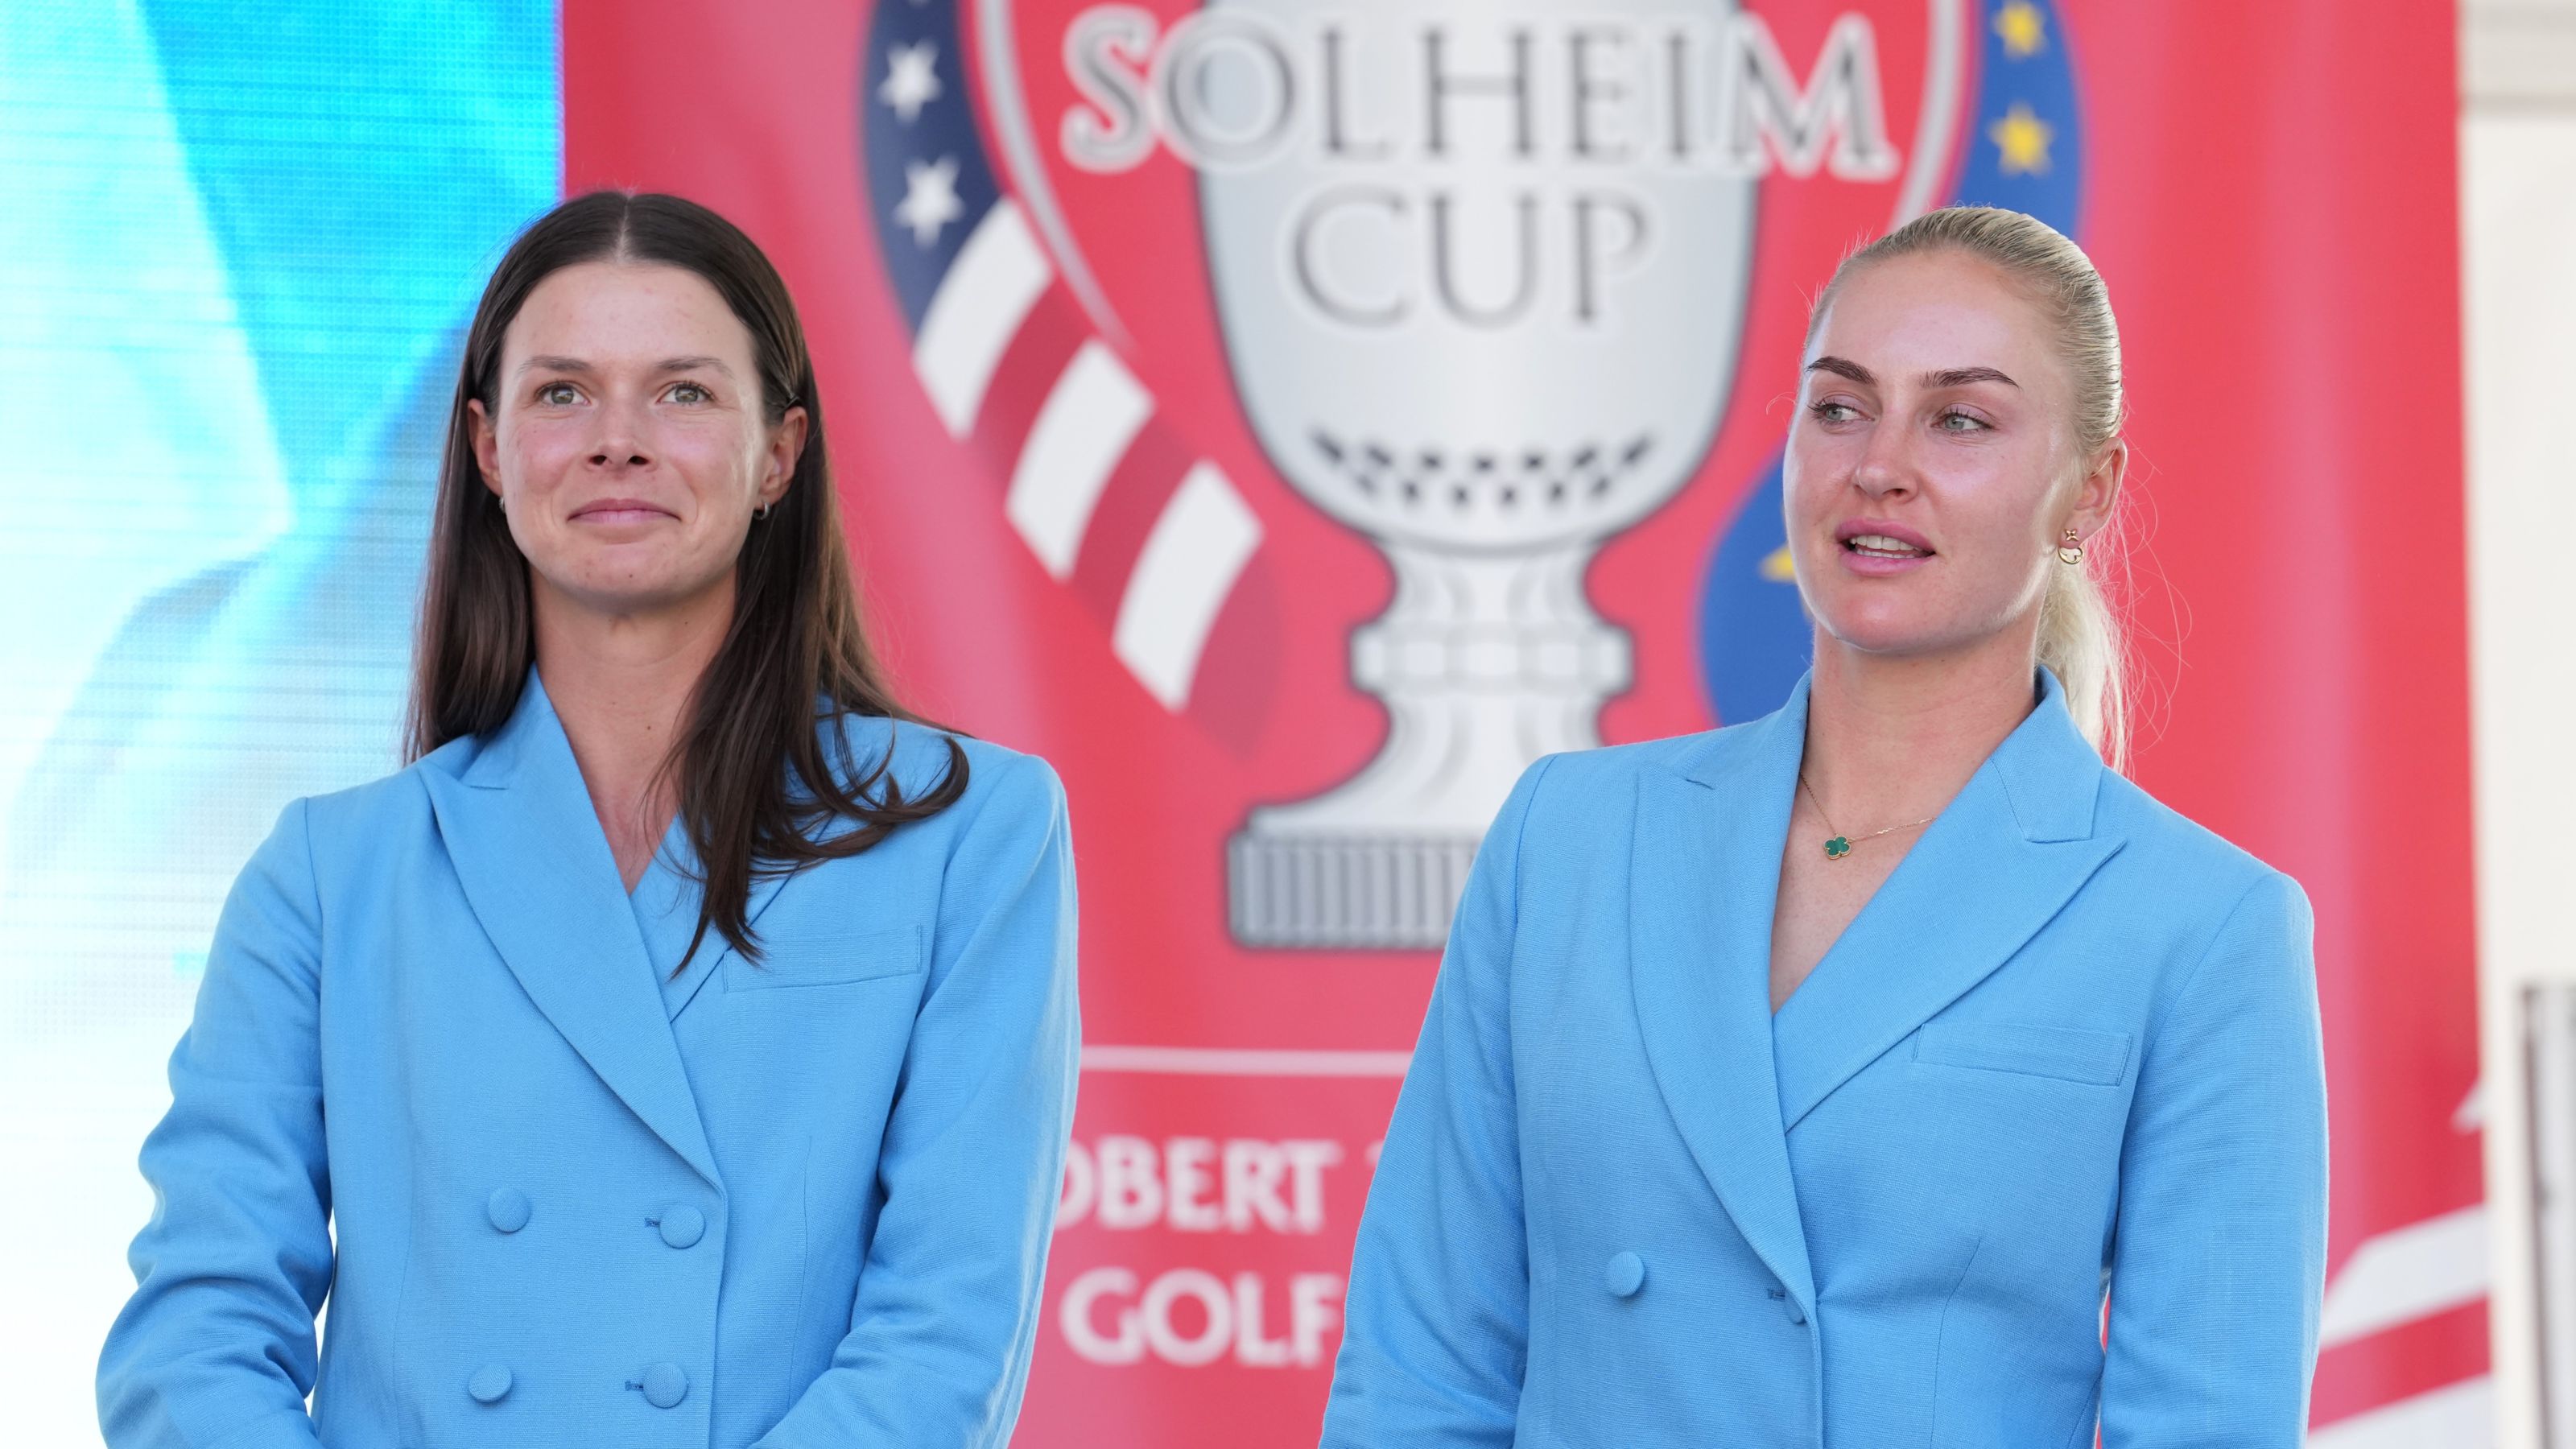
x: 487, y: 444
x: 786, y: 446
x: 2099, y: 492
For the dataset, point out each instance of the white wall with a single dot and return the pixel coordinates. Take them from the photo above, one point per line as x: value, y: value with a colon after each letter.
x: 2518, y: 228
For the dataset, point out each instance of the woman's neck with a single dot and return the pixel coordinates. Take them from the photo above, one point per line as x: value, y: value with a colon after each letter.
x: 1891, y: 739
x: 622, y: 686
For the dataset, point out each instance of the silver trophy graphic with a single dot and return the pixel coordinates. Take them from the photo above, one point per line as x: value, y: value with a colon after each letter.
x: 1473, y: 313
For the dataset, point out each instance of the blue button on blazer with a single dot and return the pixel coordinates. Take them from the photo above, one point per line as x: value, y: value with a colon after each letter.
x: 441, y: 1071
x: 2073, y: 1042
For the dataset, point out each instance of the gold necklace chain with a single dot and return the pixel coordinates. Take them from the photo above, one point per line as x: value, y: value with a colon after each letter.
x: 1838, y: 844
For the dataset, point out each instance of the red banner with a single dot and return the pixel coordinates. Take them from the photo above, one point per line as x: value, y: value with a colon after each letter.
x: 1290, y: 424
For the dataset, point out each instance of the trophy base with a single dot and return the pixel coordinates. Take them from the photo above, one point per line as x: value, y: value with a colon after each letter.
x: 1346, y: 892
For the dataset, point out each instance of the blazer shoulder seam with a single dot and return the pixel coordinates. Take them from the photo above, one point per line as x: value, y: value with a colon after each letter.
x: 2166, y: 829
x: 312, y: 877
x: 1520, y: 834
x: 2209, y: 950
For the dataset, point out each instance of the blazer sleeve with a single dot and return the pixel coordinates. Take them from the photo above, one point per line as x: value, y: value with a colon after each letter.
x: 2218, y: 1257
x: 1436, y: 1319
x: 973, y: 1157
x: 216, y: 1350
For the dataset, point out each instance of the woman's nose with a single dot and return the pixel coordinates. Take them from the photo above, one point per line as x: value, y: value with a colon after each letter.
x: 1883, y: 468
x: 622, y: 438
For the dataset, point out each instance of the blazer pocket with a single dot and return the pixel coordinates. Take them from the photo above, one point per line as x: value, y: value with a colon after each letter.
x: 2066, y: 1053
x: 832, y: 961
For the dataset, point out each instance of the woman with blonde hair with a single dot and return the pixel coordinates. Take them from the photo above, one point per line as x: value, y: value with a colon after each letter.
x: 1813, y: 1080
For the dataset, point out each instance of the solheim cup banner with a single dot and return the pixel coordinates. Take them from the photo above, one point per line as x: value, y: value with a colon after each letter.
x: 1293, y: 420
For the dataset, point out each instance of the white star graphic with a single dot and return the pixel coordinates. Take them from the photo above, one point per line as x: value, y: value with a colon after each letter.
x: 929, y: 198
x: 912, y: 78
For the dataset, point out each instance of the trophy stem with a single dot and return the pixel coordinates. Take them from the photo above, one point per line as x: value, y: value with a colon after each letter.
x: 1485, y: 662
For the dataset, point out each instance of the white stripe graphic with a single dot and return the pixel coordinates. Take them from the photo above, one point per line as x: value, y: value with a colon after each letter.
x: 997, y: 50
x: 2412, y: 1273
x: 1228, y: 1062
x: 1188, y: 565
x: 1091, y: 414
x: 2472, y: 1113
x: 2462, y: 1414
x: 998, y: 276
x: 1937, y: 119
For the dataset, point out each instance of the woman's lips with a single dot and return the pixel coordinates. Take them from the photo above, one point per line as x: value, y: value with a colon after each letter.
x: 1881, y: 551
x: 620, y: 510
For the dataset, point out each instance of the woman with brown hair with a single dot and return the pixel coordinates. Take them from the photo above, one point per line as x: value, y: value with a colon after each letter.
x: 682, y: 1048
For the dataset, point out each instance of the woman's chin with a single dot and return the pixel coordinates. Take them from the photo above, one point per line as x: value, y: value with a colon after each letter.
x: 1888, y: 634
x: 626, y: 593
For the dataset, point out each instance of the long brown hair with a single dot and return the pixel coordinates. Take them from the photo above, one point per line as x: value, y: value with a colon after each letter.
x: 759, y: 788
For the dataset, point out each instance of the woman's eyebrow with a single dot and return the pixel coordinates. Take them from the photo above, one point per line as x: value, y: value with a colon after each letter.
x: 1946, y: 377
x: 550, y: 362
x: 1962, y: 376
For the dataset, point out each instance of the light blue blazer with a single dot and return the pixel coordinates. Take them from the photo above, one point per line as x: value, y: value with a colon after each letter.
x: 2073, y: 1042
x: 440, y: 1073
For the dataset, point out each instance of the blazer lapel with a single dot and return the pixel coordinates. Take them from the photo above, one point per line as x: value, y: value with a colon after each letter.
x: 2005, y: 857
x: 537, y: 871
x: 668, y: 897
x: 764, y: 889
x: 1704, y: 870
x: 670, y: 917
x: 769, y: 882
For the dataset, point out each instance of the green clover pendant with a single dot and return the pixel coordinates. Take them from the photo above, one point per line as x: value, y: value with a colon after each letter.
x: 1837, y: 848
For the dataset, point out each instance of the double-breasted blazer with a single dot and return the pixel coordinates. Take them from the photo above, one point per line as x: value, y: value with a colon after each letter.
x: 2072, y: 1042
x: 442, y: 1072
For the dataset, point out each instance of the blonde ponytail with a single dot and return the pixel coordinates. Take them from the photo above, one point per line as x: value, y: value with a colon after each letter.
x: 2082, y: 643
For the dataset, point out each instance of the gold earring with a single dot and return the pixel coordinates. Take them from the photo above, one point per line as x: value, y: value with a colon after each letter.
x: 2071, y: 551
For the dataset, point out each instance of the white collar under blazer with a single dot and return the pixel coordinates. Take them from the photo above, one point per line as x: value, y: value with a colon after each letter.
x: 2073, y: 1041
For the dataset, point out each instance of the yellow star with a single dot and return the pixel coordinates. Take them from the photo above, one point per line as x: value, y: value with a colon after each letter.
x: 2023, y: 139
x: 1776, y: 567
x: 2023, y: 27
